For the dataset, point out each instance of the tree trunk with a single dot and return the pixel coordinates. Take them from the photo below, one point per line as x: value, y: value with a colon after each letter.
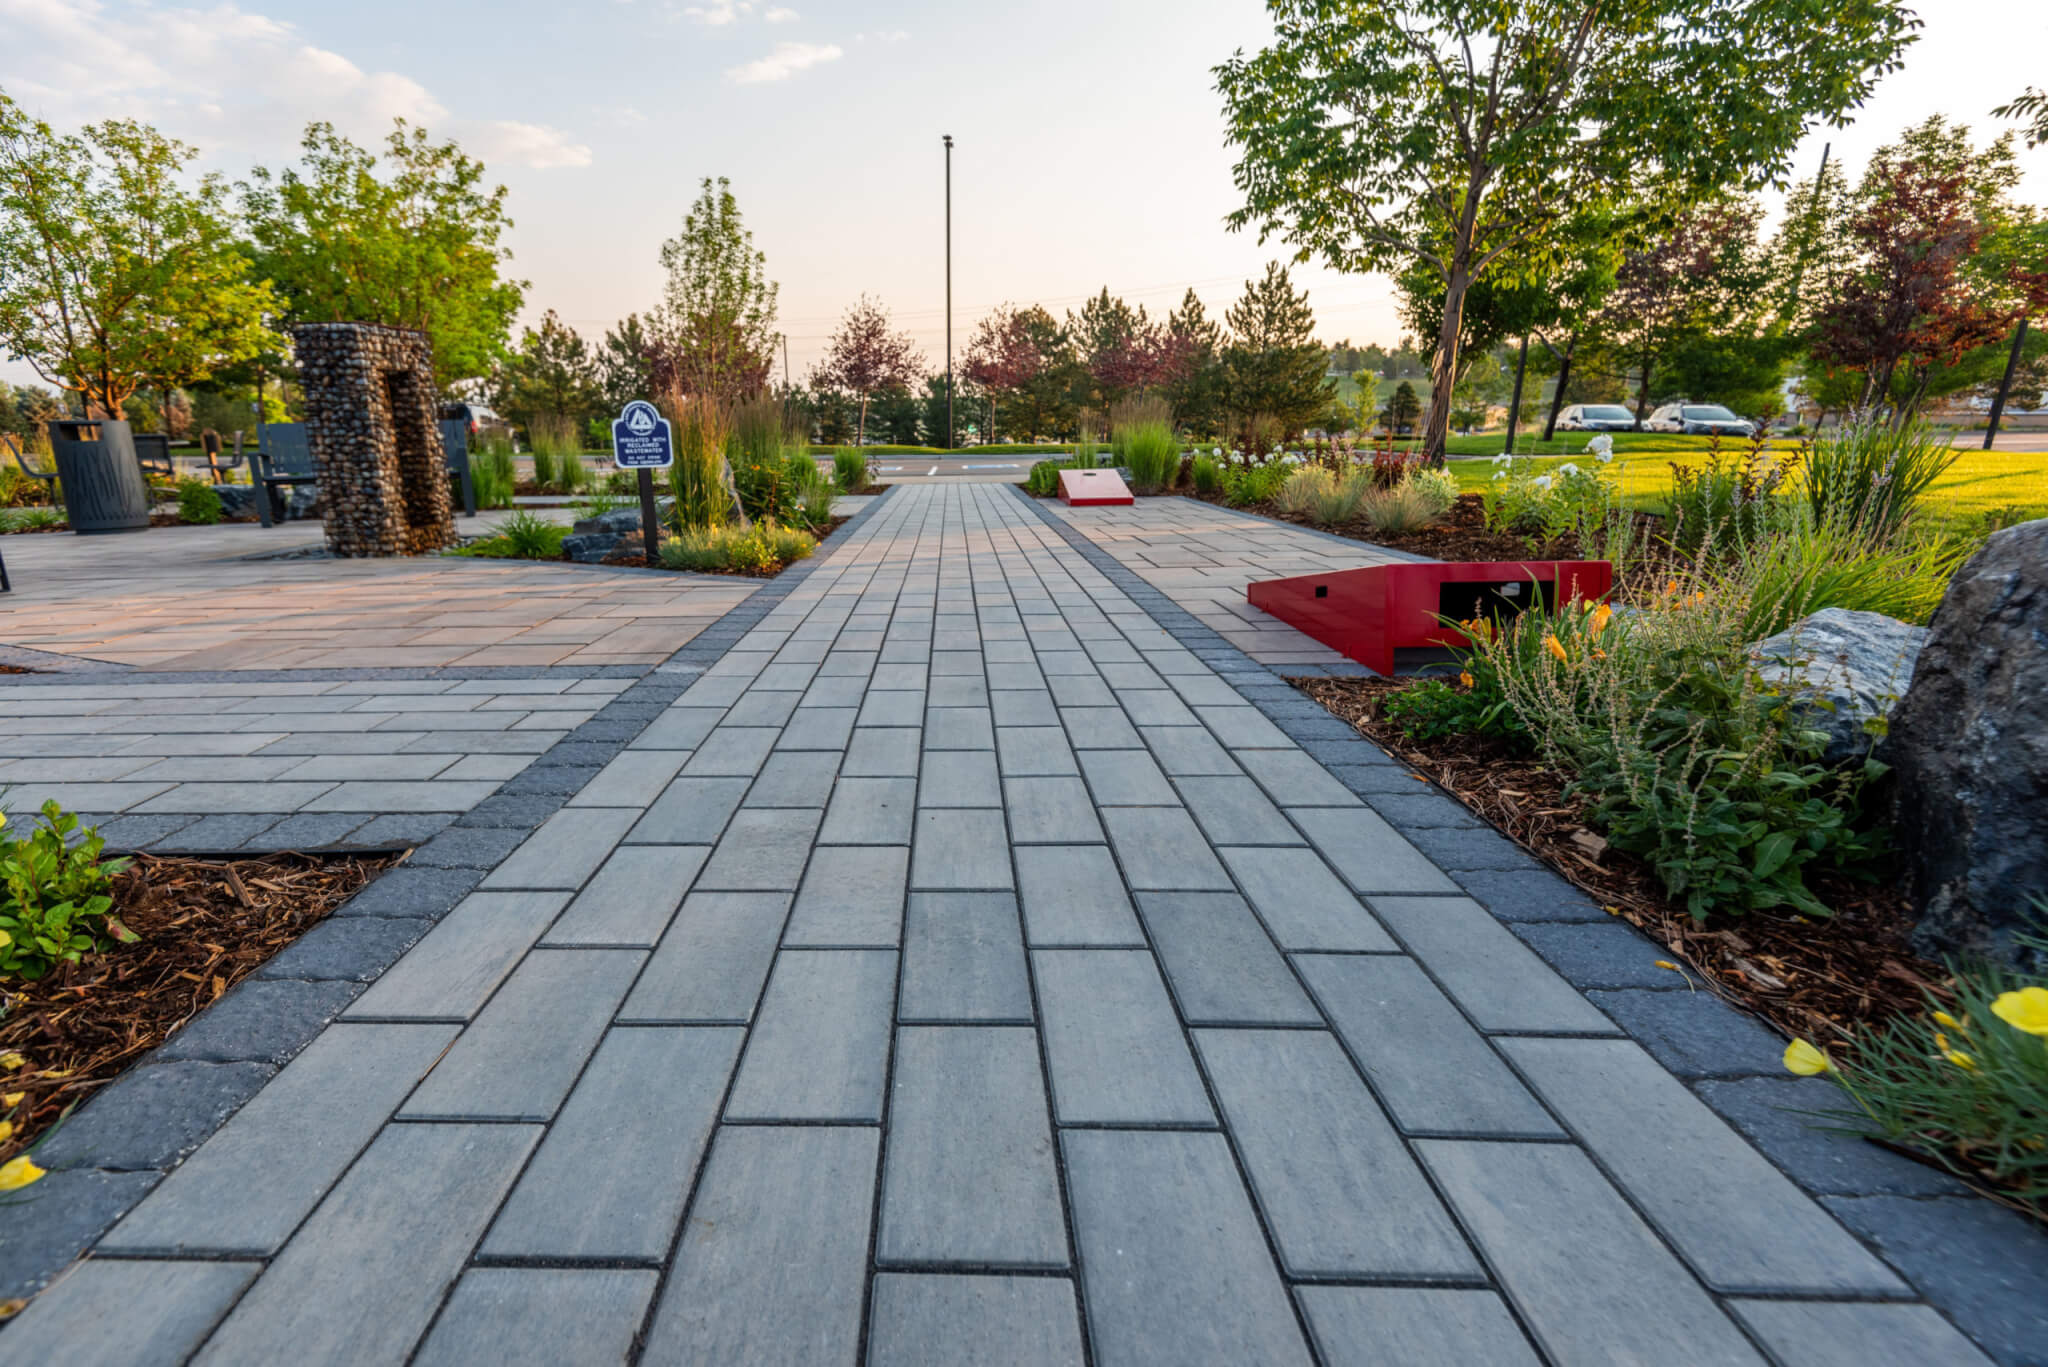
x: 1564, y: 376
x: 1443, y: 371
x: 1515, y: 403
x: 860, y: 426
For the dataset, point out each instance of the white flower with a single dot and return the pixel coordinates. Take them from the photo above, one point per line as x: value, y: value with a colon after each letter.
x: 1543, y: 481
x: 1503, y: 459
x: 1500, y: 474
x: 1567, y: 469
x: 1601, y: 449
x: 1215, y: 450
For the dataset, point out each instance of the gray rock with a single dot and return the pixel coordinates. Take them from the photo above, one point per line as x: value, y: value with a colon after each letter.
x: 588, y: 548
x: 239, y: 500
x: 1971, y: 754
x: 1849, y: 668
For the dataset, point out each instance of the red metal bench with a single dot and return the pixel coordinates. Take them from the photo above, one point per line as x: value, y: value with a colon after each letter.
x: 1366, y: 614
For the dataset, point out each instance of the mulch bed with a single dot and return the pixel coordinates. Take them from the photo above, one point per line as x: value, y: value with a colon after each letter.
x: 1815, y: 979
x: 205, y: 924
x: 637, y: 560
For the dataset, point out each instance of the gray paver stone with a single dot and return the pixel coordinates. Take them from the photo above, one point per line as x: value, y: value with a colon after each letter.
x: 1370, y: 855
x: 1222, y: 965
x: 539, y: 1317
x: 1608, y: 953
x: 1789, y: 1119
x: 1836, y: 1335
x: 1163, y: 1225
x: 405, y: 891
x: 1073, y: 895
x: 968, y: 1175
x: 710, y: 965
x: 821, y: 1045
x: 870, y: 811
x: 1233, y: 811
x: 960, y: 778
x: 71, y: 1210
x: 690, y: 811
x: 150, y: 1117
x: 1986, y: 1267
x: 960, y: 848
x: 1112, y: 1043
x: 166, y: 1310
x: 263, y: 1020
x: 1303, y: 904
x: 1497, y: 979
x: 630, y: 900
x: 927, y: 1321
x: 356, y: 948
x: 1695, y: 1034
x: 450, y: 974
x: 566, y: 849
x: 1050, y: 810
x: 1369, y: 1326
x: 963, y: 959
x: 763, y: 850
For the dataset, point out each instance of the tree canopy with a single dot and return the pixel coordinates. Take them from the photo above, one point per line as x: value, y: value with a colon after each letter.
x: 714, y: 334
x: 1465, y: 136
x: 412, y: 239
x: 867, y: 359
x: 116, y: 274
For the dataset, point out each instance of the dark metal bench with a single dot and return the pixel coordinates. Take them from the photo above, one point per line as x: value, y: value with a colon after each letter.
x: 282, y: 460
x: 455, y: 447
x: 219, y: 465
x: 153, y: 454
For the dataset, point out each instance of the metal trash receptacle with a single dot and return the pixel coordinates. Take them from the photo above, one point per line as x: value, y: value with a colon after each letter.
x: 104, y: 490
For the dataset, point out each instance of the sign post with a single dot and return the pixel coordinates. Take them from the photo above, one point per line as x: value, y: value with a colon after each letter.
x: 640, y: 441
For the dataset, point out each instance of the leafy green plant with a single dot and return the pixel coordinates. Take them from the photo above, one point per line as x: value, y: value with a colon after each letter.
x: 1966, y: 1083
x: 58, y: 902
x: 198, y: 504
x: 1802, y: 568
x: 715, y: 550
x: 1728, y: 500
x: 1431, y: 708
x: 522, y: 536
x: 1251, y: 486
x: 1207, y: 476
x: 1869, y: 475
x: 599, y: 501
x: 30, y: 519
x: 544, y: 473
x: 1043, y: 479
x: 493, y: 474
x: 850, y: 471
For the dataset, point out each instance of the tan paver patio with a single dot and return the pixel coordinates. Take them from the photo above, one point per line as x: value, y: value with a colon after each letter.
x: 189, y: 598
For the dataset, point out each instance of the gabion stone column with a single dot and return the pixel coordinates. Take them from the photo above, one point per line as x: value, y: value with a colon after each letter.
x: 375, y: 438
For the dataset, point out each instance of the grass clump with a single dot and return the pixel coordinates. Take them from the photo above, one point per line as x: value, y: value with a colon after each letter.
x: 29, y: 518
x: 1870, y: 475
x: 1207, y: 476
x: 198, y: 504
x: 493, y: 474
x: 1143, y: 442
x: 850, y: 471
x: 700, y: 479
x: 522, y: 536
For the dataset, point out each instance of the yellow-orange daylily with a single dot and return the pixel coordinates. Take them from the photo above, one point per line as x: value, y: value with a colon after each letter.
x: 2026, y: 1009
x: 1944, y: 1018
x: 1601, y: 616
x: 1555, y: 647
x: 1802, y: 1058
x: 17, y: 1173
x: 1465, y: 677
x: 1960, y: 1060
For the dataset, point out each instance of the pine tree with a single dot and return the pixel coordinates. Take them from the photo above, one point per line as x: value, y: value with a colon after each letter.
x: 1273, y: 366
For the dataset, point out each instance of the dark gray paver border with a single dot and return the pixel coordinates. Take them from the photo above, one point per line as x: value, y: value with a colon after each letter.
x: 117, y: 1146
x: 1596, y: 953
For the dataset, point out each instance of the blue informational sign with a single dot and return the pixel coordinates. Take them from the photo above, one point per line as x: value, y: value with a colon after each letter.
x: 640, y: 439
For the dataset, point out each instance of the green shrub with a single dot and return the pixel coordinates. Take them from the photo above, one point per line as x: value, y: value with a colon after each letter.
x: 1301, y: 487
x: 713, y: 550
x: 1207, y: 476
x: 30, y: 518
x: 493, y: 474
x: 1868, y: 475
x: 544, y: 475
x: 598, y: 502
x: 850, y: 471
x: 521, y: 536
x: 58, y: 895
x: 1043, y: 480
x: 198, y: 504
x: 1966, y: 1083
x: 1152, y: 454
x: 1252, y: 486
x: 1436, y: 487
x: 1727, y: 501
x: 1431, y: 708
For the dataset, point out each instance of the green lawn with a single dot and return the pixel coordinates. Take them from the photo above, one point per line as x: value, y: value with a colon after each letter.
x: 1979, y: 482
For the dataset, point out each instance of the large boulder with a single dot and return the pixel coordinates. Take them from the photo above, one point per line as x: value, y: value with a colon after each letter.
x: 1846, y: 669
x: 1969, y: 744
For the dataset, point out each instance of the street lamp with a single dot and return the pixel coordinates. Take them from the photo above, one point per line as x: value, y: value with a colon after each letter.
x: 950, y: 443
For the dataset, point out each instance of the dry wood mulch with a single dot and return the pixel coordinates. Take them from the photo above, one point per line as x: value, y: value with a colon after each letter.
x: 205, y: 924
x: 1816, y: 979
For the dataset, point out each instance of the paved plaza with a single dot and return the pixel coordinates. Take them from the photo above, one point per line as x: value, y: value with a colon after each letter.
x: 956, y: 950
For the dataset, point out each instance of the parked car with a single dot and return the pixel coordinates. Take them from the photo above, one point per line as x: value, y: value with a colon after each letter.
x: 1699, y: 420
x: 482, y: 421
x: 1596, y: 417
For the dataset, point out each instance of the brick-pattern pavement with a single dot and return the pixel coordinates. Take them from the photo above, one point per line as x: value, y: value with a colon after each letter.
x: 962, y: 970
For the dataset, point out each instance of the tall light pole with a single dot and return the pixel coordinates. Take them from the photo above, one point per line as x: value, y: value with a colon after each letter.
x: 950, y: 442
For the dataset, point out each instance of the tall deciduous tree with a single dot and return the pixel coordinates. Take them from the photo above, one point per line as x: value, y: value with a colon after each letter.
x: 714, y: 335
x: 1947, y: 265
x: 1273, y: 367
x: 411, y: 239
x: 867, y: 358
x: 114, y: 273
x: 1465, y: 135
x: 551, y: 374
x: 1023, y: 359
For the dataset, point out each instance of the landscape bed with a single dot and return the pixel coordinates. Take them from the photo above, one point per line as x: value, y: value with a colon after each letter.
x: 201, y: 926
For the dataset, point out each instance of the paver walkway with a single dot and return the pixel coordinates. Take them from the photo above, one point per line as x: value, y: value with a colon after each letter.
x: 1202, y: 556
x: 962, y: 971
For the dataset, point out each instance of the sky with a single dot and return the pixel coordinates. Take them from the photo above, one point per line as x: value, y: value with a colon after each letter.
x: 1089, y: 138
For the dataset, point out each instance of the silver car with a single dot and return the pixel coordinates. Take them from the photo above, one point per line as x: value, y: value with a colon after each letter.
x: 1699, y: 420
x: 1596, y: 417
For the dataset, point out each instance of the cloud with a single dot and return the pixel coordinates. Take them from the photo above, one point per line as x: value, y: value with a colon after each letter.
x: 715, y: 16
x: 785, y: 61
x: 779, y: 15
x: 240, y: 85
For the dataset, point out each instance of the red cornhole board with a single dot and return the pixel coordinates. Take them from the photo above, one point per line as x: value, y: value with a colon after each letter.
x: 1366, y: 614
x: 1093, y: 488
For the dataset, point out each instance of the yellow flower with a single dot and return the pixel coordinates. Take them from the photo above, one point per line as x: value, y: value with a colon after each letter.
x: 1960, y: 1060
x: 5, y: 939
x: 1666, y: 963
x: 2026, y: 1009
x: 1465, y: 677
x: 1802, y: 1058
x: 17, y: 1173
x: 1555, y: 647
x: 1601, y: 616
x: 6, y: 1130
x: 1944, y: 1018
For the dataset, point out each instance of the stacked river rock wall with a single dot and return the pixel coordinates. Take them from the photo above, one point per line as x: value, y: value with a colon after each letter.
x: 370, y: 421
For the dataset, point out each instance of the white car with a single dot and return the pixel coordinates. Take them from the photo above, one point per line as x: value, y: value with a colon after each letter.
x: 1699, y: 420
x: 1596, y: 417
